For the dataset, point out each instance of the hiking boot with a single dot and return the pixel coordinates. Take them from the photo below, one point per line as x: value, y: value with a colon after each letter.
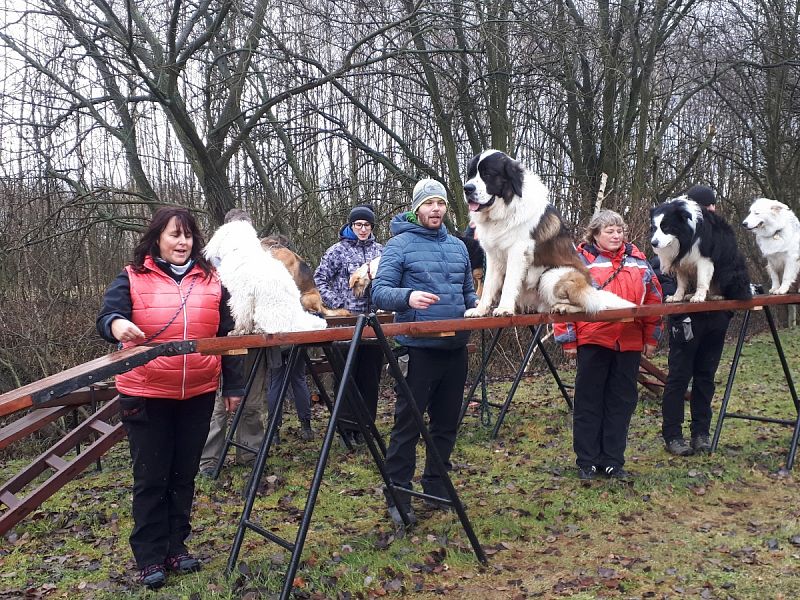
x: 182, y: 563
x: 153, y: 577
x: 617, y: 473
x: 679, y: 447
x: 587, y: 473
x: 701, y: 443
x: 306, y: 433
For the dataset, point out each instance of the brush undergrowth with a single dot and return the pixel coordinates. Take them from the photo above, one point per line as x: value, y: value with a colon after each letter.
x: 720, y: 526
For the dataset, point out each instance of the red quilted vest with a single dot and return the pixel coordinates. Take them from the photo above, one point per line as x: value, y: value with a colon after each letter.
x: 156, y: 297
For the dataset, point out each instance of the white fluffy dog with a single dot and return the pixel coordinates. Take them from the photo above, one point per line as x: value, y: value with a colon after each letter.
x: 777, y: 232
x: 264, y: 297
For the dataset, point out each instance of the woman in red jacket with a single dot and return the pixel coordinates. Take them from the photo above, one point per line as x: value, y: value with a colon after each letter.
x: 608, y: 353
x: 168, y: 293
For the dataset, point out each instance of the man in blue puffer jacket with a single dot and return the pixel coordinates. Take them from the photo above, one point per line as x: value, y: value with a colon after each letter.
x: 425, y: 275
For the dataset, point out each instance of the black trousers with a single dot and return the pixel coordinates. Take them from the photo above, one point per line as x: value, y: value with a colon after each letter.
x: 166, y: 439
x: 436, y: 378
x: 696, y: 360
x: 298, y: 387
x: 367, y: 377
x: 605, y: 398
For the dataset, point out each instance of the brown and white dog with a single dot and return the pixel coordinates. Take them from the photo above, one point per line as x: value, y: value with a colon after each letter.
x: 531, y: 262
x: 303, y: 276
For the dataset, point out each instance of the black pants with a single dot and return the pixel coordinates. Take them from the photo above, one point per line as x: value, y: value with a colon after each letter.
x: 436, y: 378
x: 695, y: 359
x: 605, y: 398
x: 367, y: 377
x: 298, y: 387
x: 166, y: 439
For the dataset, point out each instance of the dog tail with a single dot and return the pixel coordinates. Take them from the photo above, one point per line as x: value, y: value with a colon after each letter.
x: 597, y: 300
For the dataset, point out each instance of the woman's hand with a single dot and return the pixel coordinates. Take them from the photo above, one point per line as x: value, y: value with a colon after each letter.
x: 125, y: 331
x: 649, y: 350
x: 422, y: 300
x: 231, y: 403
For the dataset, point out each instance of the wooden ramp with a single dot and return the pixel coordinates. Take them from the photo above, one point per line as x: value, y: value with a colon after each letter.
x: 99, y: 436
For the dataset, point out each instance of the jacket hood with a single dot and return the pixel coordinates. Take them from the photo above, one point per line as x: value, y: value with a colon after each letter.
x: 406, y: 222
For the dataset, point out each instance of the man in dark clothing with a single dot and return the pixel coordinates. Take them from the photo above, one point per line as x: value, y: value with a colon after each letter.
x: 425, y: 275
x: 695, y: 349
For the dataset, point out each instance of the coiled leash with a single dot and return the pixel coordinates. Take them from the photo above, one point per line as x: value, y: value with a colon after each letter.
x: 175, y: 316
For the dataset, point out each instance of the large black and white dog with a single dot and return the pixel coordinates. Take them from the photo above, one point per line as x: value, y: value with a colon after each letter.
x: 531, y: 263
x: 699, y: 248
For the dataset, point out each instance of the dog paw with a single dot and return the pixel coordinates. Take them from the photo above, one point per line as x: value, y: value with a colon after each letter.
x: 502, y: 311
x: 698, y: 297
x: 781, y: 290
x: 564, y: 308
x: 472, y: 313
x: 675, y: 298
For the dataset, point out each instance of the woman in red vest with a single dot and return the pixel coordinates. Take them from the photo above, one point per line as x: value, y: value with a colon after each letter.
x: 167, y: 293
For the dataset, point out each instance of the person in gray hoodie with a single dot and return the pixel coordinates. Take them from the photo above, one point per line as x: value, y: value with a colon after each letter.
x: 356, y: 246
x: 425, y: 275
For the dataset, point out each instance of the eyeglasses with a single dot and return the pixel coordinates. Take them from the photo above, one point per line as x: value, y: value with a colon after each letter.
x: 362, y: 225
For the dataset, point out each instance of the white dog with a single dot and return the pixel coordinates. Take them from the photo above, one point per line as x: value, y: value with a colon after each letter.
x: 777, y: 232
x: 264, y: 297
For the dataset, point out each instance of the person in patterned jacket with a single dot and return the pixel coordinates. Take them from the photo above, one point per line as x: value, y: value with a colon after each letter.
x: 608, y: 353
x: 356, y: 246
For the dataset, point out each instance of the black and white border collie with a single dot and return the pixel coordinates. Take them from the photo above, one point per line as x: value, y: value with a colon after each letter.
x: 531, y: 262
x: 699, y: 248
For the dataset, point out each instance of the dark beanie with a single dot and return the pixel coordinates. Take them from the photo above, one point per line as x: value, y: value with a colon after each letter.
x: 362, y: 213
x: 702, y: 194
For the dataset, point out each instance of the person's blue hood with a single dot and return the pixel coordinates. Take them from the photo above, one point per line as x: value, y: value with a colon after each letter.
x: 407, y: 222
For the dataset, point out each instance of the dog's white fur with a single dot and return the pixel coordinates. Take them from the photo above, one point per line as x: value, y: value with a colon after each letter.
x: 777, y: 232
x: 666, y: 247
x: 263, y: 296
x: 505, y: 230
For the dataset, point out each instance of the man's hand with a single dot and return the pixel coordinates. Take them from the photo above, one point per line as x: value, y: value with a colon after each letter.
x: 125, y: 331
x: 422, y: 300
x: 231, y: 403
x: 649, y: 350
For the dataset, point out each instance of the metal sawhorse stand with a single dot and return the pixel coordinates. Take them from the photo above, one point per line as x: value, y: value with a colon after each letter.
x: 535, y: 342
x: 723, y: 411
x: 370, y: 436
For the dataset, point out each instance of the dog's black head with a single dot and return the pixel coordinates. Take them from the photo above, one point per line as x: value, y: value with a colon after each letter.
x: 491, y: 175
x: 675, y: 222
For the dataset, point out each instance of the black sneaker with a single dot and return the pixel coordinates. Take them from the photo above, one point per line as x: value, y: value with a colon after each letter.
x: 679, y: 447
x: 306, y: 433
x: 153, y: 577
x: 701, y: 443
x: 182, y: 563
x: 617, y: 473
x: 587, y: 473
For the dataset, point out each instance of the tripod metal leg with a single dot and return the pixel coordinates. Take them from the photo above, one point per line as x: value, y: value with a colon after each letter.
x: 255, y: 476
x: 237, y: 415
x: 536, y: 332
x: 430, y: 447
x: 790, y: 382
x: 723, y: 410
x: 487, y: 355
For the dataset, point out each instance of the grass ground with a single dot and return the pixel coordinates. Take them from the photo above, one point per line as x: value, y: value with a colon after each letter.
x: 719, y: 526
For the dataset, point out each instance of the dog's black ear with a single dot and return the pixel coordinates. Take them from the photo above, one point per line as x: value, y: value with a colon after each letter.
x: 514, y: 176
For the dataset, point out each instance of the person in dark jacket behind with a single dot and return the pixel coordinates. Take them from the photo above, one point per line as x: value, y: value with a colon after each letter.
x: 608, y: 353
x: 425, y: 275
x: 356, y: 246
x: 168, y: 292
x: 695, y: 349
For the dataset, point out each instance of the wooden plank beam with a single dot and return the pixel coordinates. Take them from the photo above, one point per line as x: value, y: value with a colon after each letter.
x: 50, y: 388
